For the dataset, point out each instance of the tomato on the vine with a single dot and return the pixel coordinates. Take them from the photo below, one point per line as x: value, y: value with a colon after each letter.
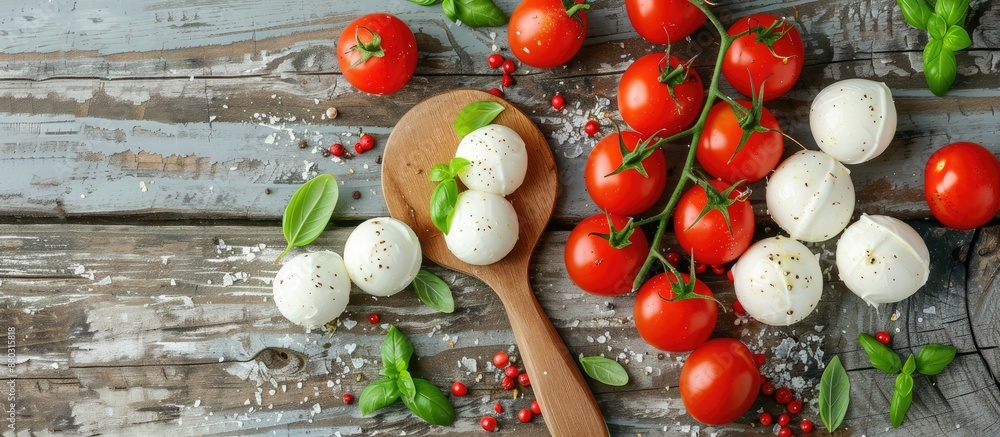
x: 719, y: 381
x: 547, y: 33
x: 660, y: 99
x: 709, y: 239
x: 664, y: 21
x: 962, y: 185
x: 771, y: 52
x: 597, y: 267
x: 721, y: 138
x: 629, y: 192
x: 377, y: 53
x: 677, y: 326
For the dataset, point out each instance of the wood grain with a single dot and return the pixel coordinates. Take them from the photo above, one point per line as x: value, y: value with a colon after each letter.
x: 142, y: 112
x: 147, y: 325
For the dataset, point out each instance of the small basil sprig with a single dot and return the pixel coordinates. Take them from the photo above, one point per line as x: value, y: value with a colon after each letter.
x: 944, y: 25
x: 834, y: 394
x: 604, y: 370
x: 421, y: 397
x: 881, y: 356
x: 445, y: 194
x: 309, y: 211
x: 931, y: 360
x: 476, y: 115
x: 433, y: 292
x: 472, y: 13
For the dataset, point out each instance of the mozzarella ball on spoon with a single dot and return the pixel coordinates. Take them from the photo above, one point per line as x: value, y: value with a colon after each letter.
x: 778, y: 281
x: 312, y: 289
x: 483, y: 228
x: 382, y: 256
x: 853, y: 120
x: 811, y: 196
x: 498, y: 159
x: 882, y: 260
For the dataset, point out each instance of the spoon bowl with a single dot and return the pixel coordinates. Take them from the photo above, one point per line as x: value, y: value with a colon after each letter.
x: 426, y: 136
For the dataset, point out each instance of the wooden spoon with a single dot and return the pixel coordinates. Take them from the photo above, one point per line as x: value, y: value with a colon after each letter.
x: 426, y: 136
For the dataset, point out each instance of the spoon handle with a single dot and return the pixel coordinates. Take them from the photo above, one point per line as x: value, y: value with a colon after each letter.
x: 567, y: 404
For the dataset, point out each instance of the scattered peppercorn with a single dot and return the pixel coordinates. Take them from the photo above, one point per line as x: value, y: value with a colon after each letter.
x: 356, y: 195
x: 267, y: 191
x: 325, y: 153
x: 302, y: 143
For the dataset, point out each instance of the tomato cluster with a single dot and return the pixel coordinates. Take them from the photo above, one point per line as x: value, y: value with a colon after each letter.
x: 661, y: 97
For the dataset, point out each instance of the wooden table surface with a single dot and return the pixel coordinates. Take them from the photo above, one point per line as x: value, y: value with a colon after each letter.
x: 148, y: 148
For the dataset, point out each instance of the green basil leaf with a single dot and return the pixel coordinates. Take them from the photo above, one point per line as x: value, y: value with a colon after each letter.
x: 479, y: 13
x: 605, y: 370
x: 910, y: 365
x: 881, y: 357
x: 448, y: 6
x: 834, y: 394
x: 396, y: 351
x: 430, y: 404
x: 309, y: 211
x: 934, y: 357
x: 443, y: 201
x: 936, y: 26
x: 940, y: 67
x: 476, y: 115
x: 953, y: 11
x: 406, y: 387
x: 439, y: 172
x: 901, y: 399
x: 458, y: 164
x: 424, y: 2
x: 433, y: 292
x: 377, y: 395
x: 916, y: 12
x: 956, y: 38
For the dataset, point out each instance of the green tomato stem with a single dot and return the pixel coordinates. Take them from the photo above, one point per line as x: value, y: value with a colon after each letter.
x: 713, y: 92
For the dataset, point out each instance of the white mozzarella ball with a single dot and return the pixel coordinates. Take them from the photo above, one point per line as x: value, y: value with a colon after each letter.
x: 811, y: 196
x: 498, y: 159
x: 778, y: 281
x: 882, y: 259
x: 483, y: 228
x: 853, y: 120
x: 382, y: 256
x: 312, y: 289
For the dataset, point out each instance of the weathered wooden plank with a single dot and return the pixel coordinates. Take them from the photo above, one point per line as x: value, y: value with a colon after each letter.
x: 111, y: 39
x: 983, y: 302
x: 150, y: 323
x: 210, y: 148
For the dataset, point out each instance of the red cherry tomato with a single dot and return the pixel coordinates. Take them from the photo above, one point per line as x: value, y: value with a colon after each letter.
x: 664, y: 21
x: 721, y: 137
x: 719, y: 381
x: 708, y: 238
x: 962, y: 185
x: 777, y: 59
x: 500, y: 359
x: 674, y: 326
x: 507, y: 383
x: 629, y: 192
x: 459, y: 389
x: 543, y: 34
x: 511, y: 372
x: 488, y: 423
x: 598, y: 268
x: 524, y: 415
x: 647, y: 104
x: 495, y: 60
x: 378, y: 74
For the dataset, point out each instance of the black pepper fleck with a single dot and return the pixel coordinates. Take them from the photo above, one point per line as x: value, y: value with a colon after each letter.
x: 356, y: 195
x: 302, y: 143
